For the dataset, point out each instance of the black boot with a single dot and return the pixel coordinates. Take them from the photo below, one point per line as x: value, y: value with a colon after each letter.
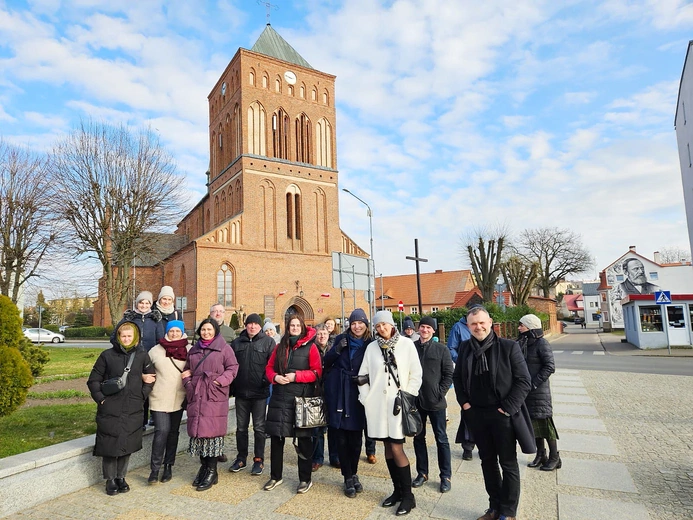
x: 408, y: 500
x: 123, y: 486
x: 349, y: 489
x: 541, y: 457
x: 397, y: 495
x: 211, y: 477
x: 168, y: 473
x: 554, y: 461
x: 153, y: 477
x: 201, y: 473
x: 111, y: 487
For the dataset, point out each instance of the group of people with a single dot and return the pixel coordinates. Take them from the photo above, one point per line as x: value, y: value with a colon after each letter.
x: 500, y: 384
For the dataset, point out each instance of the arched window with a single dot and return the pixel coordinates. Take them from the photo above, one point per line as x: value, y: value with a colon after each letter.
x: 216, y: 209
x: 237, y: 202
x: 323, y: 141
x: 303, y: 135
x: 251, y: 77
x: 256, y: 129
x: 265, y: 80
x: 181, y: 281
x: 291, y: 90
x: 280, y: 134
x: 237, y: 131
x: 314, y: 94
x: 325, y: 97
x: 225, y: 286
x: 293, y: 212
x: 277, y: 85
x: 302, y: 91
x: 223, y: 204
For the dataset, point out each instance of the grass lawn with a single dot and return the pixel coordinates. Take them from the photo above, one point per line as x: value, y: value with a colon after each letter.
x: 36, y: 427
x: 70, y: 361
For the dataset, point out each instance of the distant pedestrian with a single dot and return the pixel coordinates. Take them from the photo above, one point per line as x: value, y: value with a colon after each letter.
x: 408, y: 330
x: 539, y: 356
x: 270, y: 330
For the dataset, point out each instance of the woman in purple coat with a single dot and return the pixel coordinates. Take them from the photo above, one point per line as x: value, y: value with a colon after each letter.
x: 210, y: 369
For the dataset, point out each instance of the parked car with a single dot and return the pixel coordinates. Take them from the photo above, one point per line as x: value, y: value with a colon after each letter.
x: 44, y: 336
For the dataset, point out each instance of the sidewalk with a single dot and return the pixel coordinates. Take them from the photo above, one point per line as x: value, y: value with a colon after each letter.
x: 613, y: 345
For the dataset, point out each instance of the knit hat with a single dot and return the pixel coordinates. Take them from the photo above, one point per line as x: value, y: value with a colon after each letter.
x: 144, y: 295
x: 408, y: 323
x: 253, y: 318
x: 384, y: 317
x: 428, y: 320
x: 531, y: 321
x: 358, y: 315
x: 166, y: 290
x: 269, y: 326
x: 175, y: 324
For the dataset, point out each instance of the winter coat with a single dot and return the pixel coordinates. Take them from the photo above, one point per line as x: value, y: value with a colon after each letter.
x: 171, y: 316
x: 458, y: 334
x: 344, y: 410
x: 437, y: 375
x: 152, y: 327
x: 304, y: 361
x: 378, y: 396
x: 119, y: 418
x: 228, y: 333
x: 168, y: 392
x: 252, y: 355
x: 208, y: 403
x: 540, y: 363
x: 510, y: 382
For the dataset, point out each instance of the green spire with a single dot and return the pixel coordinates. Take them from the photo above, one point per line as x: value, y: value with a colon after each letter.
x: 271, y: 44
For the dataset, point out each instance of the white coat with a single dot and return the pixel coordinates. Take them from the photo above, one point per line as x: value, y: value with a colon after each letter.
x: 378, y: 397
x: 168, y: 392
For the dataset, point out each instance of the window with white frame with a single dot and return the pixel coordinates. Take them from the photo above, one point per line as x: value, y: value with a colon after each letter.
x: 413, y: 310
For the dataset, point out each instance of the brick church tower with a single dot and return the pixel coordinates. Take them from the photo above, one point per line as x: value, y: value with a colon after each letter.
x: 262, y: 237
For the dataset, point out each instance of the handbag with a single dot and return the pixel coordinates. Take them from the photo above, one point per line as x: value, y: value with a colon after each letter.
x: 405, y: 403
x: 116, y: 384
x: 310, y: 411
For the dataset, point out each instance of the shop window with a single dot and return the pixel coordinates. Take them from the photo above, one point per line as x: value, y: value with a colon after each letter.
x: 651, y: 318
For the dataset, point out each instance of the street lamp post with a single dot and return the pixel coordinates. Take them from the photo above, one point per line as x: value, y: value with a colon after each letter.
x: 371, y: 279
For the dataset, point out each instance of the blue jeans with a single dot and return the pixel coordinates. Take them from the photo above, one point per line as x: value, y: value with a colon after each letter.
x: 319, y: 445
x: 438, y: 424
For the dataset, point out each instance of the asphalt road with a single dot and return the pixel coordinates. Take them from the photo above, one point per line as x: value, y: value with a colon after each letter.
x: 582, y: 349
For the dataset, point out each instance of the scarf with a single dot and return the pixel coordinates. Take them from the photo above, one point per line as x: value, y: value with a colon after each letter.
x: 175, y: 348
x: 165, y: 310
x: 293, y: 340
x: 388, y: 343
x: 354, y: 345
x: 479, y: 351
x: 204, y: 343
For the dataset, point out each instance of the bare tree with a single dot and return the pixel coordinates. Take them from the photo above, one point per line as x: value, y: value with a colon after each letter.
x: 28, y: 227
x: 484, y: 249
x: 559, y: 252
x: 672, y: 255
x: 520, y: 276
x: 115, y: 185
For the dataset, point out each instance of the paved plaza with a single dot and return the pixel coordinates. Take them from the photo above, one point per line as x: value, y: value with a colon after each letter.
x: 626, y: 441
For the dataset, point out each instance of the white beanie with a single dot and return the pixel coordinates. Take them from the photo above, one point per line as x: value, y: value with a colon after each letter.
x: 269, y: 325
x: 166, y: 290
x: 383, y: 317
x: 144, y: 295
x: 531, y: 321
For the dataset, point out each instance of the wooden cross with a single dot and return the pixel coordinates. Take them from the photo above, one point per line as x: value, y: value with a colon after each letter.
x: 418, y: 259
x: 269, y: 7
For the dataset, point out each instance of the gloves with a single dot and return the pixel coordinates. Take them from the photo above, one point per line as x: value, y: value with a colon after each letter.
x: 340, y: 346
x: 361, y: 380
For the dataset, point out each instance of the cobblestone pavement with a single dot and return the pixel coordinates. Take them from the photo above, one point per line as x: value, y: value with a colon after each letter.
x: 640, y: 423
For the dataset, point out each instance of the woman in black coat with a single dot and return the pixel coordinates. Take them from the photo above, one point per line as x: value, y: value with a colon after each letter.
x: 119, y: 415
x: 539, y: 357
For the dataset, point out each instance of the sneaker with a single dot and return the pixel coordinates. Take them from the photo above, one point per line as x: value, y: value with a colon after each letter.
x: 357, y: 484
x: 303, y: 487
x: 467, y: 455
x: 271, y: 484
x: 237, y: 466
x: 258, y: 466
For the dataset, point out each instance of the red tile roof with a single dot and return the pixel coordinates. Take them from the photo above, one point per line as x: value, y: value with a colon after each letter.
x: 437, y: 289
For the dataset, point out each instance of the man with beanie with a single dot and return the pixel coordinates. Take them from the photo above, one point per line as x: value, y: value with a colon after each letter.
x: 437, y: 378
x: 408, y: 329
x: 217, y: 312
x: 251, y: 389
x: 491, y: 382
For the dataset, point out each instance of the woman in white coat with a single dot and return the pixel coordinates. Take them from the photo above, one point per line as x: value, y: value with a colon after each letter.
x: 378, y: 398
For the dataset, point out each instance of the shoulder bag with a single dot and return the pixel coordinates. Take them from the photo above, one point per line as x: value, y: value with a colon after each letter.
x: 116, y: 384
x: 406, y: 404
x: 310, y: 411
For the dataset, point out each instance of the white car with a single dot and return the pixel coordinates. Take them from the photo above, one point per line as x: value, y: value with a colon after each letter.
x: 44, y: 336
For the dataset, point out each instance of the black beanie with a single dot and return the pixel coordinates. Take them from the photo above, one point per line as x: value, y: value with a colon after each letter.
x: 428, y: 320
x: 253, y: 318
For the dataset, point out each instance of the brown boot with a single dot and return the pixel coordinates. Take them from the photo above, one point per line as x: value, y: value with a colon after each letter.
x: 490, y: 514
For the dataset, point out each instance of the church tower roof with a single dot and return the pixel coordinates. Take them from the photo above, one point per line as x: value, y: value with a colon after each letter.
x: 270, y: 43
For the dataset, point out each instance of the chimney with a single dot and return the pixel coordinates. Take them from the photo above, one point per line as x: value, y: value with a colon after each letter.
x: 657, y: 257
x: 631, y: 248
x: 439, y: 271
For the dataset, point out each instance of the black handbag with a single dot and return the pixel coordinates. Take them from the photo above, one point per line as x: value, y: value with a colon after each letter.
x: 116, y: 384
x: 405, y: 403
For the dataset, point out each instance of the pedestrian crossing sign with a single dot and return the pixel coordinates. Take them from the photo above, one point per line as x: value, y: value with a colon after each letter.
x: 663, y: 297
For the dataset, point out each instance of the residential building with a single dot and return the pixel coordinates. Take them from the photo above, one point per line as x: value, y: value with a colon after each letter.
x: 684, y: 136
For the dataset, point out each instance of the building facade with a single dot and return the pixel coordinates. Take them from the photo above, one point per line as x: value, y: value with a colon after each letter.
x: 684, y: 136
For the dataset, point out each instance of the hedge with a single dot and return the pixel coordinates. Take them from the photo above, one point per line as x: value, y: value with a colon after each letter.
x: 87, y: 332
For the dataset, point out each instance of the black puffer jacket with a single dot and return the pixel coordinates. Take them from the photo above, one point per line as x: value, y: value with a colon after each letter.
x: 540, y: 363
x: 119, y: 418
x: 152, y: 327
x: 252, y: 355
x: 437, y: 375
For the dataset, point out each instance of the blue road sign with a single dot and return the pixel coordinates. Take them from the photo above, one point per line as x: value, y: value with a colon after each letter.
x: 662, y: 297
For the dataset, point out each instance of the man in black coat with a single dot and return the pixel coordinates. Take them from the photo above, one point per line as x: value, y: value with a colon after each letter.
x: 437, y: 378
x: 491, y: 381
x: 253, y: 349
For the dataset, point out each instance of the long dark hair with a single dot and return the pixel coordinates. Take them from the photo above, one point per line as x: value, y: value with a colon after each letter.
x: 282, y: 358
x: 214, y: 324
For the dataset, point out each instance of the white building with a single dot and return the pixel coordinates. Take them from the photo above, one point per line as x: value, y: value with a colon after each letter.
x: 684, y: 136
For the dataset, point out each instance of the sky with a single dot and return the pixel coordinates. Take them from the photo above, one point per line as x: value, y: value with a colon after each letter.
x: 451, y: 115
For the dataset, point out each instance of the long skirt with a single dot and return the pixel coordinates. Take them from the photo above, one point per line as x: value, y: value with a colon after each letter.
x: 545, y: 429
x: 206, y: 447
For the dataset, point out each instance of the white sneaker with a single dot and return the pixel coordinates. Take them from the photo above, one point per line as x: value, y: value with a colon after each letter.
x: 271, y: 484
x: 303, y: 487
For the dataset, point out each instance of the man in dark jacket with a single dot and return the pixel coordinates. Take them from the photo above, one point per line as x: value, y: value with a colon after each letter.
x: 251, y: 389
x: 437, y: 378
x: 492, y: 381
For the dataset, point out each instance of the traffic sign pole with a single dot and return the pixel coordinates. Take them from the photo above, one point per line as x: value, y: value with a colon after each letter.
x: 664, y: 299
x: 400, y: 306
